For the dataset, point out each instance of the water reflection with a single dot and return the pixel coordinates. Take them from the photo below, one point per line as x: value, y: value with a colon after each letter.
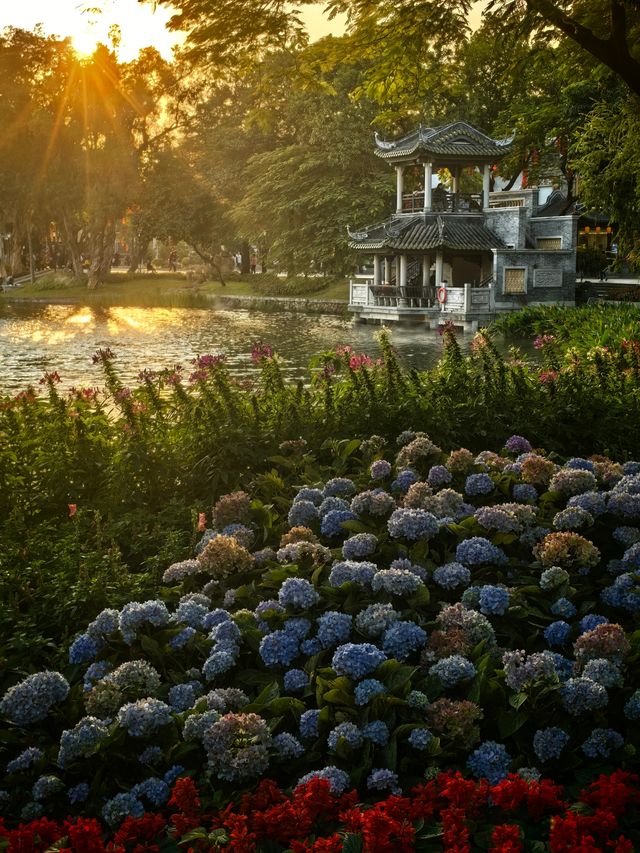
x: 37, y: 338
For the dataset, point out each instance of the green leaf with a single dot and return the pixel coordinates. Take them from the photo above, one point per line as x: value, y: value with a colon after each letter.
x: 352, y: 843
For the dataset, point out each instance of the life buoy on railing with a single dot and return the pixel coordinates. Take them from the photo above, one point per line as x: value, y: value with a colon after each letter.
x: 442, y: 295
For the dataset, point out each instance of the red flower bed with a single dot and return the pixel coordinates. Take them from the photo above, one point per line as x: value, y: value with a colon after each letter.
x: 448, y: 813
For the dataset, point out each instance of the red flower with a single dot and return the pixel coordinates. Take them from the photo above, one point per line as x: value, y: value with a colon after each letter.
x: 455, y: 834
x: 613, y: 793
x: 184, y: 796
x: 506, y: 839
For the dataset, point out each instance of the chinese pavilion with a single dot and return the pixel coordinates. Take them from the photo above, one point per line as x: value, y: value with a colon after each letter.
x: 468, y: 255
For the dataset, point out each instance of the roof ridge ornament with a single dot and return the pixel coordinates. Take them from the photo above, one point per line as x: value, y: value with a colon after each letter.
x: 362, y: 234
x: 382, y: 143
x: 440, y: 221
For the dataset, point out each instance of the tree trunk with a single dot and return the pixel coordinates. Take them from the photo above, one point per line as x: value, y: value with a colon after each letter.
x: 100, y: 249
x: 15, y: 252
x: 73, y: 246
x: 137, y: 255
x: 246, y: 254
x: 32, y: 272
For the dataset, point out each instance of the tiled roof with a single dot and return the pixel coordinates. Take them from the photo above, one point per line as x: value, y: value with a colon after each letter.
x: 421, y: 234
x: 556, y: 205
x: 458, y: 140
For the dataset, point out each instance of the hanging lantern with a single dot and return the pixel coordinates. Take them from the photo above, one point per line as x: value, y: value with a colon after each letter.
x: 586, y: 229
x: 597, y: 229
x: 609, y: 229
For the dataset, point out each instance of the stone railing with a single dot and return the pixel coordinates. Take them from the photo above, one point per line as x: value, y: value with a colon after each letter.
x: 443, y: 202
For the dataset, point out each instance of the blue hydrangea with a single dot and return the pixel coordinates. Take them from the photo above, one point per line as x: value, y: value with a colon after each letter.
x: 309, y: 723
x: 591, y: 621
x: 339, y: 486
x: 595, y: 503
x: 375, y: 619
x: 150, y: 755
x: 197, y: 724
x: 172, y: 774
x: 105, y: 623
x: 330, y: 504
x: 477, y: 485
x: 337, y: 779
x: 306, y: 493
x: 334, y: 628
x: 30, y: 700
x: 332, y: 522
x: 191, y: 613
x: 356, y: 660
x: 439, y: 476
x: 135, y: 614
x: 553, y: 577
x: 490, y: 761
x: 359, y: 546
x: 632, y: 707
x: 377, y: 732
x: 525, y: 493
x: 632, y: 556
x: 298, y: 593
x: 630, y: 468
x: 549, y: 743
x: 564, y: 608
x: 477, y: 550
x: 95, y: 672
x: 402, y: 639
x: 302, y: 514
x: 557, y: 633
x: 412, y: 524
x: 497, y: 518
x: 287, y: 746
x: 624, y: 503
x: 417, y: 700
x: 494, y: 600
x: 26, y: 758
x: 350, y: 571
x: 572, y: 518
x: 580, y: 695
x: 295, y: 680
x: 298, y: 627
x: 280, y: 648
x: 183, y: 637
x: 601, y: 743
x: 183, y: 696
x: 380, y: 469
x: 367, y: 689
x: 82, y: 740
x: 580, y: 464
x: 623, y: 593
x: 534, y: 535
x: 420, y: 738
x: 452, y: 575
x: 404, y: 480
x: 84, y: 648
x: 627, y: 536
x: 396, y: 582
x: 603, y: 671
x: 219, y: 615
x: 452, y: 670
x: 406, y: 565
x: 349, y: 732
x: 218, y: 663
x: 144, y: 717
x: 46, y: 786
x: 121, y: 806
x: 156, y: 791
x: 78, y: 794
x: 383, y: 780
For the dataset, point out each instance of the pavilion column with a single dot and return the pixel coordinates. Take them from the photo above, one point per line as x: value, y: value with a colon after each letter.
x: 403, y: 271
x: 428, y: 176
x: 439, y: 267
x: 376, y: 270
x: 485, y: 185
x: 399, y: 187
x: 456, y: 179
x: 387, y: 271
x: 426, y: 266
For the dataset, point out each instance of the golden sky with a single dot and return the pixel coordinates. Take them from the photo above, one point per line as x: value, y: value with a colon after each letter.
x: 139, y: 23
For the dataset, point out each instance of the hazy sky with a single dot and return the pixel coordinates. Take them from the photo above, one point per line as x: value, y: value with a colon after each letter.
x: 140, y: 25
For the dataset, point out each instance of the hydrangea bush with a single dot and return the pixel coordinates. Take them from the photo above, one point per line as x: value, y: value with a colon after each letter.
x: 475, y: 613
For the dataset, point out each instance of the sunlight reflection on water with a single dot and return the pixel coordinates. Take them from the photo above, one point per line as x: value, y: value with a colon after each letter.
x: 38, y: 338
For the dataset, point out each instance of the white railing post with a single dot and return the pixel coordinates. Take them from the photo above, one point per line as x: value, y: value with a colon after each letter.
x: 467, y: 297
x: 492, y: 297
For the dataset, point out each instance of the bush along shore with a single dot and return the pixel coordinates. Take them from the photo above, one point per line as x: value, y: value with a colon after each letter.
x: 431, y: 614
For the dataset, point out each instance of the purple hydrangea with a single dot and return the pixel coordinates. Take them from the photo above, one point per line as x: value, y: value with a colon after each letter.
x: 518, y: 444
x: 439, y: 476
x: 380, y: 469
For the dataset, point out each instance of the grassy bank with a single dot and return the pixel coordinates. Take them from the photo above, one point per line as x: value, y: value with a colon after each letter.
x: 163, y: 288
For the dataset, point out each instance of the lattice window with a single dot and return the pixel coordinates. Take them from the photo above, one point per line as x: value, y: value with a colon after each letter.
x: 549, y: 242
x: 514, y: 280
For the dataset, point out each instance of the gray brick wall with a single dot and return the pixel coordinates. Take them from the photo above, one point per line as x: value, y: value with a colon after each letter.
x: 562, y: 262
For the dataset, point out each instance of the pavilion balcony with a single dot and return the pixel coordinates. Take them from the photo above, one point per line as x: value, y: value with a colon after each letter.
x: 443, y: 202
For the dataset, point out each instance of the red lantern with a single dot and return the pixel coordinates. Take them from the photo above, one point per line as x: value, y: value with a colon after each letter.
x: 609, y: 229
x: 586, y: 229
x: 597, y: 229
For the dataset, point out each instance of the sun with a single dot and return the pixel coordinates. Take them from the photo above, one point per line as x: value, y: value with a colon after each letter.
x: 84, y: 43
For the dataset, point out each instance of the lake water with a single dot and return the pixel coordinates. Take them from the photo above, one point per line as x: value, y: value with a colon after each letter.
x: 36, y: 338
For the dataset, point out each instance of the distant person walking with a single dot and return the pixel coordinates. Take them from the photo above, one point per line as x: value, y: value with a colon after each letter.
x: 253, y: 262
x: 173, y: 261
